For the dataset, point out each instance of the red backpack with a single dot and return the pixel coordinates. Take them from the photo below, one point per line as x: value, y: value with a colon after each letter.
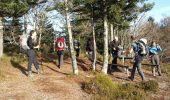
x: 60, y: 43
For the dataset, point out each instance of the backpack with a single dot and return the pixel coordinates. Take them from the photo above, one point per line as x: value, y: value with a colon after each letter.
x: 60, y: 43
x: 141, y: 48
x: 23, y: 42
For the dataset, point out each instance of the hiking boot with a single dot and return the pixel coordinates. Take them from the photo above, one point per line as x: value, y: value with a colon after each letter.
x: 30, y: 74
x: 160, y: 74
x: 39, y: 71
x: 130, y: 78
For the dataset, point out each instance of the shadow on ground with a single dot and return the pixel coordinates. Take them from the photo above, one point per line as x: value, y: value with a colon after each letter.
x: 18, y: 66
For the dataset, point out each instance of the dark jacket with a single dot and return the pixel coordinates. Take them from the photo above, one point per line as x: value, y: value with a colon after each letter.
x: 90, y: 45
x: 30, y: 43
x: 114, y: 46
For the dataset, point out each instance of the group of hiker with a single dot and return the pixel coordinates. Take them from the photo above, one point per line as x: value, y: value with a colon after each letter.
x: 139, y: 47
x: 141, y: 50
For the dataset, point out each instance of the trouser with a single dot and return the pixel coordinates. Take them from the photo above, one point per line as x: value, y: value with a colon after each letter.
x: 137, y: 65
x: 32, y: 60
x: 91, y: 55
x: 114, y: 60
x: 77, y: 52
x: 155, y: 61
x: 60, y: 55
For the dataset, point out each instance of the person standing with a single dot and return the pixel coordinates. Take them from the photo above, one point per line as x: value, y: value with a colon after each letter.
x: 77, y: 47
x: 31, y: 53
x: 114, y: 45
x: 140, y: 51
x: 60, y: 46
x: 154, y: 49
x: 90, y: 48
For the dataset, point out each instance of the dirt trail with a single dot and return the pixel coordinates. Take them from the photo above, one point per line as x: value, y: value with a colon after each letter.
x: 53, y: 84
x: 60, y: 84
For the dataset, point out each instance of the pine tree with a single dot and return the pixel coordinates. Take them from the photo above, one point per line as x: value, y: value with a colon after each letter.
x: 10, y: 8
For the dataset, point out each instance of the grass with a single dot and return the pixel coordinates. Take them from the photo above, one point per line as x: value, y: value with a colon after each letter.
x: 7, y: 61
x: 2, y: 75
x: 165, y: 68
x: 103, y: 88
x: 4, y: 64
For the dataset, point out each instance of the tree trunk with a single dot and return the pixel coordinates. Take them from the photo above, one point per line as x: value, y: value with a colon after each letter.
x: 1, y: 37
x: 25, y: 25
x: 73, y: 57
x: 111, y: 32
x: 105, y: 56
x: 94, y: 40
x: 14, y: 30
x: 94, y: 43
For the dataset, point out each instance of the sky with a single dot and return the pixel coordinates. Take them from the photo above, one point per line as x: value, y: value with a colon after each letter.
x: 160, y: 10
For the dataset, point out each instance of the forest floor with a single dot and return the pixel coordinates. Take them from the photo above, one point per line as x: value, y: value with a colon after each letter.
x: 59, y: 83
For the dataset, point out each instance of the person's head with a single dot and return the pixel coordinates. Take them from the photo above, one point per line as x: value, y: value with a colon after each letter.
x: 132, y: 37
x: 33, y: 34
x: 153, y: 44
x: 116, y: 38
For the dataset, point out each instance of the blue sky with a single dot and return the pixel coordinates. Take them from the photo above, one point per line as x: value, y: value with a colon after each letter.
x: 160, y: 10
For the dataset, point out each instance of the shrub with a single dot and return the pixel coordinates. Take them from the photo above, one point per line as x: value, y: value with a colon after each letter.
x: 103, y: 88
x: 99, y: 57
x: 101, y: 85
x: 149, y: 86
x: 19, y: 58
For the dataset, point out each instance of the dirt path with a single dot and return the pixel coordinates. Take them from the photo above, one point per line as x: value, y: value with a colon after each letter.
x: 53, y: 84
x: 60, y: 84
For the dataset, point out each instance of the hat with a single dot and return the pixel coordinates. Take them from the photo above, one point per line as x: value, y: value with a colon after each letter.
x: 143, y: 40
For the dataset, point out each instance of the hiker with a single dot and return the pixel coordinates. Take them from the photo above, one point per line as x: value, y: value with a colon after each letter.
x: 140, y: 50
x: 60, y: 46
x: 77, y: 47
x: 114, y: 45
x: 154, y: 49
x: 90, y: 48
x: 31, y: 53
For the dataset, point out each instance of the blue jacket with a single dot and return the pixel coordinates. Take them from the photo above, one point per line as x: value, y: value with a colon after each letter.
x: 154, y: 50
